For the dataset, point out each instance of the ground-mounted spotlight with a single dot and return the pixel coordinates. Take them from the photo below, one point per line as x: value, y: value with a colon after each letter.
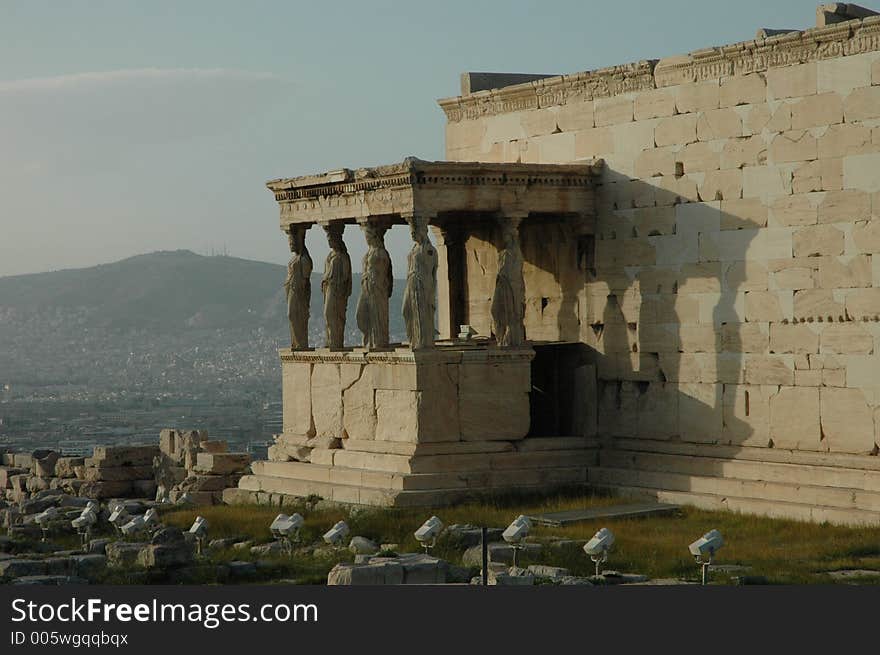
x: 199, y: 528
x: 84, y: 522
x: 184, y: 499
x: 162, y: 494
x: 151, y: 519
x: 704, y: 549
x: 599, y: 546
x: 44, y: 518
x: 285, y: 529
x: 515, y: 534
x: 428, y: 533
x: 119, y: 517
x: 337, y: 534
x: 134, y: 525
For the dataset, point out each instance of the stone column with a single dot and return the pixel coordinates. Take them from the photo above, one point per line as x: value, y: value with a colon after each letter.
x: 298, y: 286
x: 509, y: 298
x: 451, y: 287
x: 420, y: 294
x: 336, y: 286
x: 377, y: 283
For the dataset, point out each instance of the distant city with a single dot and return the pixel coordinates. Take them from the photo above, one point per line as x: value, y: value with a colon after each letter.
x: 115, y: 353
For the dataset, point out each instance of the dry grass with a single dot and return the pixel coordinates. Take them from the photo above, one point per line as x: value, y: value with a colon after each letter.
x: 781, y: 551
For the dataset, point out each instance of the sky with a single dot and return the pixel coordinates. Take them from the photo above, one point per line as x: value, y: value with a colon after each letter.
x: 128, y: 127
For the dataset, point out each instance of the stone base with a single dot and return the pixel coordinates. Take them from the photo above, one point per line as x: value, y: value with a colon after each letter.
x: 430, y: 480
x: 790, y: 484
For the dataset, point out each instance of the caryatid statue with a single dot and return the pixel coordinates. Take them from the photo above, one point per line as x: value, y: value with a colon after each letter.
x: 508, y: 300
x: 419, y: 297
x: 336, y: 286
x: 376, y: 286
x: 298, y: 287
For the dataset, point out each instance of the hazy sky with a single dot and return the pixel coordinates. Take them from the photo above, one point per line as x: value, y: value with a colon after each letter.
x: 128, y: 127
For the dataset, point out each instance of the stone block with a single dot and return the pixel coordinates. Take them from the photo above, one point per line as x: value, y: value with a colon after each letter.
x: 845, y: 139
x: 106, y: 489
x: 866, y: 236
x: 222, y: 463
x: 743, y: 151
x: 23, y: 460
x: 863, y: 303
x: 862, y: 104
x: 653, y: 162
x: 769, y: 369
x: 721, y: 185
x: 843, y: 74
x: 847, y: 272
x: 676, y: 130
x: 695, y: 97
x: 742, y: 90
x: 793, y: 146
x: 862, y: 171
x: 297, y: 398
x: 766, y: 181
x: 847, y: 421
x: 816, y: 111
x: 494, y: 416
x: 699, y: 157
x: 817, y: 240
x: 700, y: 412
x: 116, y: 473
x: 593, y: 142
x: 846, y: 339
x: 654, y: 104
x: 845, y: 206
x: 795, y: 210
x: 812, y: 303
x: 719, y: 124
x: 613, y: 110
x: 792, y: 81
x: 794, y: 418
x: 743, y: 213
x: 106, y: 456
x: 793, y: 338
x: 326, y: 400
x: 64, y: 467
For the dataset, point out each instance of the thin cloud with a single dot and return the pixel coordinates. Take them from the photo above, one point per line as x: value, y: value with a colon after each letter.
x: 76, y: 80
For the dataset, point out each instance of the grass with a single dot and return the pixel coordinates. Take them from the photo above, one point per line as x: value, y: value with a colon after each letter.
x: 784, y: 552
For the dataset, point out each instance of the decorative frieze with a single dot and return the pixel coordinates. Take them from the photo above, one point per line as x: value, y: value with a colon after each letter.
x: 838, y: 40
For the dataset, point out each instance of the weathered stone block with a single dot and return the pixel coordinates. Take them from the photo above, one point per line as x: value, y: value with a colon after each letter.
x: 743, y: 90
x: 847, y: 421
x: 794, y: 418
x: 817, y: 240
x: 106, y: 456
x: 222, y: 463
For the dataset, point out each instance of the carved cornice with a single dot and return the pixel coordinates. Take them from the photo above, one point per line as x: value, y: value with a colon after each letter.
x: 441, y: 354
x: 838, y: 40
x: 417, y: 172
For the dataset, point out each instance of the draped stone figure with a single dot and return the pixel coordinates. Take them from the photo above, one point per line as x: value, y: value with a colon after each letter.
x: 336, y: 286
x: 376, y: 287
x: 298, y: 287
x: 508, y: 300
x: 419, y: 296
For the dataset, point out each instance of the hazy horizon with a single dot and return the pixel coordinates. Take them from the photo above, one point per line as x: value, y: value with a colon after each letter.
x: 131, y: 127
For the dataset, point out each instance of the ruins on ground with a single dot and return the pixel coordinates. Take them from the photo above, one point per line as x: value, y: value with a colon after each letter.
x: 660, y: 278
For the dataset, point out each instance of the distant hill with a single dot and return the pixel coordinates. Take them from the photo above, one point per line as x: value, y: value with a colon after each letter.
x: 161, y: 323
x: 169, y: 291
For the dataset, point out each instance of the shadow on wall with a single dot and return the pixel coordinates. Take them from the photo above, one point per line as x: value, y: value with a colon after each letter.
x: 666, y: 316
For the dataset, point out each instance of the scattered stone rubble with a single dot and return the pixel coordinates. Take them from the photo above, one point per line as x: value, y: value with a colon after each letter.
x: 184, y: 462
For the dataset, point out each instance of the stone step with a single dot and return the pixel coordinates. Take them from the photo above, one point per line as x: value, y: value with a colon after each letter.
x: 456, y: 463
x: 776, y: 455
x: 842, y: 498
x: 798, y: 474
x: 338, y: 475
x: 757, y: 506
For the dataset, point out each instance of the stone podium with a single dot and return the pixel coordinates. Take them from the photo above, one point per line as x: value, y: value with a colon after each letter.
x: 435, y: 420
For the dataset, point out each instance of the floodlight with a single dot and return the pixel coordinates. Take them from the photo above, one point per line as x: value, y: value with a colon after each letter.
x: 199, y: 528
x: 84, y: 522
x: 597, y: 547
x: 284, y: 527
x: 43, y: 519
x: 184, y: 499
x: 515, y: 534
x: 428, y: 533
x: 135, y: 525
x: 119, y: 517
x: 337, y: 533
x: 704, y: 549
x: 151, y: 518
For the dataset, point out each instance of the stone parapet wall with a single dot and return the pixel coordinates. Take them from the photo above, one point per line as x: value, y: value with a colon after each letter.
x: 734, y: 296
